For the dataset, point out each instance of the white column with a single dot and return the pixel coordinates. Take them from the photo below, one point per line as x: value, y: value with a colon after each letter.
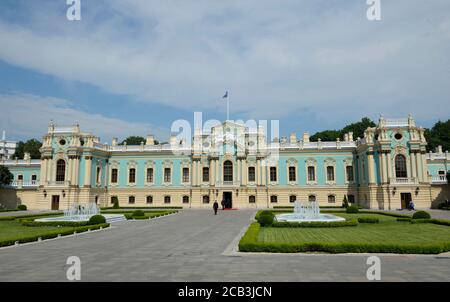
x: 217, y: 170
x: 212, y: 172
x: 239, y: 170
x: 244, y: 172
x: 49, y: 170
x: 258, y: 169
x: 413, y: 164
x: 389, y: 166
x: 87, y: 172
x: 419, y: 166
x: 77, y: 171
x: 69, y: 173
x: 370, y: 165
x: 43, y: 176
x: 384, y: 168
x: 424, y: 167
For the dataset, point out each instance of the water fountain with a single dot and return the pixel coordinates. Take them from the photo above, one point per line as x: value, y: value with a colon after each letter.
x: 307, y: 212
x: 83, y: 212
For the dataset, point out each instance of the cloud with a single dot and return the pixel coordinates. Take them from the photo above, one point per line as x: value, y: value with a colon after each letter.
x: 277, y: 58
x: 26, y: 116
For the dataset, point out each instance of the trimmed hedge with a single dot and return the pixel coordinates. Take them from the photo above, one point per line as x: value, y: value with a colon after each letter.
x: 368, y: 220
x: 315, y: 224
x: 22, y: 207
x: 421, y: 215
x: 138, y: 213
x: 53, y: 234
x: 8, y: 218
x: 130, y: 216
x: 266, y: 218
x: 97, y: 219
x: 404, y: 219
x: 32, y: 223
x: 149, y: 208
x: 352, y: 210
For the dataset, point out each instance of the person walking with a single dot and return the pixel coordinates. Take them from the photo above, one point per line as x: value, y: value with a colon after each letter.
x: 223, y: 204
x: 215, y: 207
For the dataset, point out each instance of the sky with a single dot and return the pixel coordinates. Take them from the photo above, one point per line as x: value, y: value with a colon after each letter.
x: 134, y: 67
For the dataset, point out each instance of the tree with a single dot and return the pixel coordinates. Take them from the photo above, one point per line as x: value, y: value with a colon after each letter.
x: 5, y: 176
x: 327, y: 135
x: 133, y: 140
x: 439, y: 134
x: 358, y: 128
x: 31, y: 146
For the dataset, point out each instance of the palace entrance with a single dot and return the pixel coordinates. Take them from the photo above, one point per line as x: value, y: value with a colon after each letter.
x: 228, y: 199
x: 405, y: 199
x: 55, y: 202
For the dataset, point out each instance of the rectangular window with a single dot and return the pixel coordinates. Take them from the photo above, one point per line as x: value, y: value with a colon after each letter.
x: 166, y: 199
x: 185, y: 174
x: 99, y: 174
x: 33, y: 177
x: 311, y: 173
x: 132, y: 175
x: 331, y: 199
x: 251, y: 174
x: 292, y: 198
x: 251, y: 199
x: 292, y: 175
x: 351, y: 199
x: 185, y: 199
x: 149, y: 199
x: 20, y: 177
x: 273, y: 174
x: 114, y: 176
x: 167, y: 175
x: 131, y: 199
x: 330, y: 173
x: 273, y: 199
x: 149, y: 175
x: 349, y: 171
x: 205, y: 174
x: 205, y: 199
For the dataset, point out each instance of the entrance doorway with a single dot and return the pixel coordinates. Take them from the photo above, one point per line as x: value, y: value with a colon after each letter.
x: 228, y: 199
x: 55, y: 202
x: 405, y: 199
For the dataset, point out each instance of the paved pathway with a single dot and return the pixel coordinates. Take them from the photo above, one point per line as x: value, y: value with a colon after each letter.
x: 190, y: 246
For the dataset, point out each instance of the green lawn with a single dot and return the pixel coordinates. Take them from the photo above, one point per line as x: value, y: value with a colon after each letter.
x: 388, y: 235
x: 14, y: 230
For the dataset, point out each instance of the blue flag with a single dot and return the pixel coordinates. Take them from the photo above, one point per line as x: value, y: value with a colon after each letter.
x: 225, y: 96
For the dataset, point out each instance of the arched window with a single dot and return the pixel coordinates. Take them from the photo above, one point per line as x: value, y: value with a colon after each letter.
x: 60, y: 170
x: 228, y: 171
x: 205, y: 199
x: 400, y: 166
x: 185, y: 199
x: 331, y: 199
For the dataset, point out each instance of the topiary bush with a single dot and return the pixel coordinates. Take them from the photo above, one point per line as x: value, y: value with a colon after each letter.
x: 115, y: 203
x: 266, y: 218
x: 352, y: 210
x: 345, y: 202
x: 138, y: 213
x: 97, y: 219
x: 421, y: 215
x: 22, y: 207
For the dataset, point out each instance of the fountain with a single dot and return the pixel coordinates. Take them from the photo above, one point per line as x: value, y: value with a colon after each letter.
x: 307, y: 212
x: 83, y: 212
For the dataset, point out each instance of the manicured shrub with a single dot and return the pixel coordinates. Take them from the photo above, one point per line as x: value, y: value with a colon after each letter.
x: 352, y: 210
x: 315, y: 224
x: 421, y: 220
x: 138, y: 213
x: 266, y: 218
x: 403, y: 219
x: 368, y: 220
x: 421, y: 215
x: 345, y: 202
x: 115, y: 201
x: 22, y: 207
x: 97, y: 219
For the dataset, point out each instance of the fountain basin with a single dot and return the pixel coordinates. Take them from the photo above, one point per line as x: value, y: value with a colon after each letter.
x: 294, y: 217
x: 109, y: 218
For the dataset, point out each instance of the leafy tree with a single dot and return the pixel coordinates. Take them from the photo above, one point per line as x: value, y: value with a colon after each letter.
x: 327, y: 135
x: 439, y: 134
x: 358, y: 128
x: 133, y: 140
x: 31, y: 146
x: 5, y: 176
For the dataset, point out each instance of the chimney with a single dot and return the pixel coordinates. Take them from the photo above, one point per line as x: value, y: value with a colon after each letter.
x: 305, y: 137
x: 115, y: 142
x: 150, y: 140
x: 293, y: 138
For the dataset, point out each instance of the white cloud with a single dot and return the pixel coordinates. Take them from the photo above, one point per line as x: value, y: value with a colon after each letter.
x: 277, y: 58
x: 26, y: 116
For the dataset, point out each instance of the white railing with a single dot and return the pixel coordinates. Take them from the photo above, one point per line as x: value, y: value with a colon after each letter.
x: 438, y: 179
x: 23, y: 184
x: 399, y: 122
x: 404, y: 180
x: 58, y: 183
x: 227, y: 184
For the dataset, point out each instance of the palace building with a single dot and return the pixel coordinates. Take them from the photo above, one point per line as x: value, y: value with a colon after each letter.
x: 385, y: 169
